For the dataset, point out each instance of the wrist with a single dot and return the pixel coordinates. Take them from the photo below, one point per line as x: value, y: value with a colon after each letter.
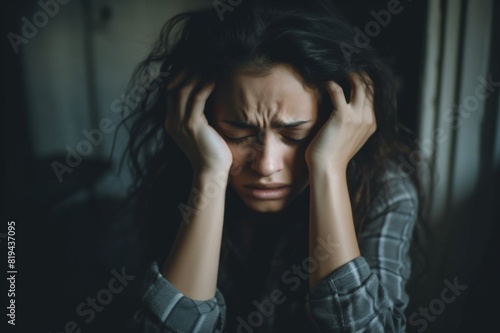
x: 327, y: 169
x: 324, y: 178
x: 212, y: 168
x: 210, y: 178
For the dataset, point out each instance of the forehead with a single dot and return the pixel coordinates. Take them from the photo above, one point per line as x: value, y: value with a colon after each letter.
x: 278, y: 95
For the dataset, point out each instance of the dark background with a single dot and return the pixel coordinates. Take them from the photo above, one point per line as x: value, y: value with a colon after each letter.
x: 64, y: 249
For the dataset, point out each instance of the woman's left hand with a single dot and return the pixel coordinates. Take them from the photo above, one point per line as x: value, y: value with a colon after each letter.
x: 348, y: 127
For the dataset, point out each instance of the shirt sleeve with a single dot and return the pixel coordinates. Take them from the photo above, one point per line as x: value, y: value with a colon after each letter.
x: 167, y: 310
x: 368, y: 293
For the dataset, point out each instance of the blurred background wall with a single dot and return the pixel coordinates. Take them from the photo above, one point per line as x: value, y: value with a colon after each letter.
x: 67, y: 65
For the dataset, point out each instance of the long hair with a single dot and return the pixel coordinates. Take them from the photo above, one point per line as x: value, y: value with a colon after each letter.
x: 312, y: 37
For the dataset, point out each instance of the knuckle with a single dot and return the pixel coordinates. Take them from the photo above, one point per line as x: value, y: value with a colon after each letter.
x: 185, y: 91
x: 189, y: 126
x: 348, y: 119
x: 356, y: 119
x: 198, y: 98
x: 335, y: 88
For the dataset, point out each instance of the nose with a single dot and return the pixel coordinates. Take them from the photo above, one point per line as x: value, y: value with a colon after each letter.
x: 268, y: 158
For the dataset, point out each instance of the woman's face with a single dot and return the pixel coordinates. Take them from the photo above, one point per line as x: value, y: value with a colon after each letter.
x: 267, y: 122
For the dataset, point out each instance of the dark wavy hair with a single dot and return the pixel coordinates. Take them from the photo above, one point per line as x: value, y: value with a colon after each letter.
x: 312, y: 37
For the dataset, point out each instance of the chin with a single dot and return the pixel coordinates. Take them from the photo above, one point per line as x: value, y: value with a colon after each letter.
x: 267, y: 206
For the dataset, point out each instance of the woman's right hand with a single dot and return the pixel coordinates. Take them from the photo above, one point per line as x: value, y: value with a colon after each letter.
x: 187, y: 124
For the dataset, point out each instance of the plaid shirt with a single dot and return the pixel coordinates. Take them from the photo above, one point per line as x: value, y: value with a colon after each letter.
x: 365, y: 295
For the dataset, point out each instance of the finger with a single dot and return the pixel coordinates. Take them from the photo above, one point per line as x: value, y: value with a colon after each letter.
x: 184, y: 99
x: 336, y: 94
x: 369, y: 88
x: 362, y: 88
x: 175, y: 81
x: 176, y: 106
x: 199, y: 96
x: 368, y: 107
x: 177, y: 99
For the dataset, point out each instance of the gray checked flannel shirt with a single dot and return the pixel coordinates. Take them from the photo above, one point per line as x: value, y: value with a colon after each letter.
x: 365, y: 295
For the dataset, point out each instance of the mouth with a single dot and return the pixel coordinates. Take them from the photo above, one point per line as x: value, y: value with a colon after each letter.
x: 271, y: 191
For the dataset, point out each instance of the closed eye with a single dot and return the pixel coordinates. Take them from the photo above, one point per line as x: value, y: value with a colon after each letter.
x: 294, y: 140
x: 241, y: 140
x: 295, y: 135
x: 253, y: 138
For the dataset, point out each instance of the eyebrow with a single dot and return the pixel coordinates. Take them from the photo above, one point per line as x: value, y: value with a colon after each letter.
x: 275, y: 124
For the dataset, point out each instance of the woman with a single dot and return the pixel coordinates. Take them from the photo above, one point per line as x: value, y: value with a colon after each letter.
x: 268, y: 177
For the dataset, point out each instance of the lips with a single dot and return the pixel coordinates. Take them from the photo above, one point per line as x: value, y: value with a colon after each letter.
x: 269, y: 191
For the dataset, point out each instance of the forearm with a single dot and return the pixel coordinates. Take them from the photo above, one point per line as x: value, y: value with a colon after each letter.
x: 330, y: 219
x: 369, y: 292
x: 192, y: 264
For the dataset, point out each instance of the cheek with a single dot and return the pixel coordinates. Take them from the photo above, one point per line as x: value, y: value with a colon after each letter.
x: 241, y: 155
x: 291, y: 157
